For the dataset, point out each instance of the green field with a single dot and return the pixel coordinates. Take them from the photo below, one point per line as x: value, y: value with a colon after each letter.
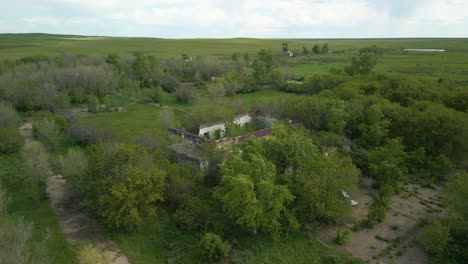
x: 452, y: 64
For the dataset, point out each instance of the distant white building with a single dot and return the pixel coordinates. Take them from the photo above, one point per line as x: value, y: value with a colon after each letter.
x: 289, y: 53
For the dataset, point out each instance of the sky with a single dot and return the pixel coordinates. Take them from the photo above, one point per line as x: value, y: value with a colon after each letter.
x: 238, y: 18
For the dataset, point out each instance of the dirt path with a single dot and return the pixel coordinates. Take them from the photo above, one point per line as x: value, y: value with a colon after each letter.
x: 393, y: 240
x: 75, y: 221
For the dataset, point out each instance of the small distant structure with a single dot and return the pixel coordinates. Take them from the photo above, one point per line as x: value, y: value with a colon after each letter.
x: 217, y: 130
x: 289, y: 53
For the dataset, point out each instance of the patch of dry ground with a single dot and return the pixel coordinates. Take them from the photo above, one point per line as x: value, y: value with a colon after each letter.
x: 398, y: 231
x: 75, y: 221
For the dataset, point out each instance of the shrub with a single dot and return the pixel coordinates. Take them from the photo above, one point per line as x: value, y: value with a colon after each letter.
x: 4, y: 201
x: 93, y: 103
x: 15, y: 234
x: 18, y: 245
x: 213, y: 248
x: 48, y: 132
x: 8, y: 117
x: 35, y: 163
x: 185, y: 94
x: 435, y: 237
x: 10, y: 140
x: 73, y: 164
x: 87, y: 134
x: 342, y: 237
x: 88, y: 254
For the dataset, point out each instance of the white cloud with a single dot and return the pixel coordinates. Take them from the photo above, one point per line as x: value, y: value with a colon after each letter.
x: 268, y: 18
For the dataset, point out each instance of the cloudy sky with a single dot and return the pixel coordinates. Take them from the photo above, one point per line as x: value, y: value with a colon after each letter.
x: 238, y: 18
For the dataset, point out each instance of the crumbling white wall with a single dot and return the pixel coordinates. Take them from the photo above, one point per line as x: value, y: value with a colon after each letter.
x: 242, y: 120
x: 211, y: 130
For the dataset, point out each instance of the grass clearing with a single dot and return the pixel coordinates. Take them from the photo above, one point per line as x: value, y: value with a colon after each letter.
x: 146, y: 118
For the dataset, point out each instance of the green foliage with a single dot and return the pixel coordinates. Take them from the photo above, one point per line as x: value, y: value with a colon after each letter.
x: 47, y: 243
x: 249, y: 195
x: 194, y: 213
x: 213, y: 249
x: 117, y: 62
x: 123, y: 183
x: 316, y: 49
x: 10, y: 140
x: 325, y: 203
x: 342, y: 236
x: 207, y: 114
x: 48, y: 132
x: 264, y: 67
x: 435, y: 237
x: 361, y: 65
x: 15, y: 245
x: 324, y: 49
x: 8, y: 116
x: 35, y: 164
x: 73, y: 165
x: 89, y: 254
x: 4, y: 201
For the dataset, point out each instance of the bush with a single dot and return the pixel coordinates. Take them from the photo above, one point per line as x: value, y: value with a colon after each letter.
x: 123, y: 184
x: 435, y: 237
x: 48, y: 132
x: 73, y: 164
x: 342, y: 237
x: 8, y: 117
x: 4, y: 201
x: 185, y: 94
x: 17, y: 244
x: 10, y: 140
x: 213, y: 248
x: 35, y: 163
x: 87, y: 134
x: 88, y: 254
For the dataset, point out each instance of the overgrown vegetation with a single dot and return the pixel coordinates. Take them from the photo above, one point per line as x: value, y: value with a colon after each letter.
x: 328, y: 131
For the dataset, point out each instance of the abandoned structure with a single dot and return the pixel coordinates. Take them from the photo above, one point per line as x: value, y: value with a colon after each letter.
x: 188, y: 150
x: 217, y: 130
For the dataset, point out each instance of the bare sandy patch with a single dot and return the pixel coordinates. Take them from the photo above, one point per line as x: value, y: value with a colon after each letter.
x: 392, y: 240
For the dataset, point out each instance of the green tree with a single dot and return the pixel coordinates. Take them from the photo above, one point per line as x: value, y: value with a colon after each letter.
x: 123, y: 183
x: 284, y: 47
x: 305, y: 50
x: 361, y: 65
x: 117, y: 62
x: 236, y: 56
x: 265, y: 67
x: 249, y: 195
x: 316, y: 49
x: 375, y: 130
x: 213, y: 249
x: 318, y: 186
x: 324, y: 48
